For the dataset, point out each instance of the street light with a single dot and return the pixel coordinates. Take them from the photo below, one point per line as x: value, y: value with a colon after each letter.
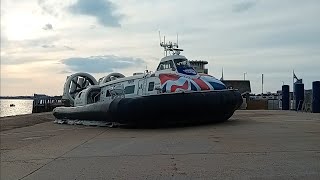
x: 244, y: 76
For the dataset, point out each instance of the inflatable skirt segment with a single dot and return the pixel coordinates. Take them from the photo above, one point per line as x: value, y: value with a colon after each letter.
x: 192, y: 107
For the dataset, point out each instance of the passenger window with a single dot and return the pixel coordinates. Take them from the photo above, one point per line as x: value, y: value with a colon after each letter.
x: 129, y: 89
x: 161, y: 66
x: 108, y: 93
x: 151, y: 86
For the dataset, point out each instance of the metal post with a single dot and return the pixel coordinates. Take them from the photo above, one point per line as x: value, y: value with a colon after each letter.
x: 262, y: 84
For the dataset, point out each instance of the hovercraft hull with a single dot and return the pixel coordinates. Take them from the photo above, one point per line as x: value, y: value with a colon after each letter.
x: 95, y: 111
x: 204, y: 106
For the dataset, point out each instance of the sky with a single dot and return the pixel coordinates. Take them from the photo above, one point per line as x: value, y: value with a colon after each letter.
x: 44, y: 41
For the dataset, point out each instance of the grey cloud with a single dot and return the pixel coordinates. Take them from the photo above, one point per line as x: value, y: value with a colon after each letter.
x: 101, y: 64
x: 12, y: 45
x: 69, y: 48
x: 100, y: 9
x: 50, y: 7
x: 46, y: 8
x: 243, y: 6
x: 21, y: 48
x: 48, y: 46
x: 58, y: 47
x: 48, y: 27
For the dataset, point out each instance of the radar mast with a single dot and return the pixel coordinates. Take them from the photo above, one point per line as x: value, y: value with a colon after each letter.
x: 172, y: 48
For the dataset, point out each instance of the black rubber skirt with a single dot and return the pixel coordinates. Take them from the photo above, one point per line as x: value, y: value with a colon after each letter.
x: 193, y: 107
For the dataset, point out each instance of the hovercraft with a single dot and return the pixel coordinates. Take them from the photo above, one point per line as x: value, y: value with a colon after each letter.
x: 175, y: 92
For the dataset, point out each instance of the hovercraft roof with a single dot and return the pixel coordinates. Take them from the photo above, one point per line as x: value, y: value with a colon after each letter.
x: 172, y: 57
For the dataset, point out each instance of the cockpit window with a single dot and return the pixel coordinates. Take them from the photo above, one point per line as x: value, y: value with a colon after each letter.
x: 184, y: 67
x: 182, y: 63
x: 165, y: 65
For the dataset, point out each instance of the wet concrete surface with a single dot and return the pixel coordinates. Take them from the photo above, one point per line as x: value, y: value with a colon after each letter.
x: 251, y: 145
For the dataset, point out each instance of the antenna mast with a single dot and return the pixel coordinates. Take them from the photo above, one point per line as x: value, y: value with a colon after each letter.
x: 165, y: 45
x: 172, y: 47
x: 177, y: 41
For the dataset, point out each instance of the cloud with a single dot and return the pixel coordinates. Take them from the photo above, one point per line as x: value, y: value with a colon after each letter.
x: 61, y: 48
x: 48, y: 27
x: 243, y: 6
x: 51, y: 7
x: 241, y: 36
x: 18, y: 60
x: 65, y: 72
x: 299, y: 37
x: 48, y: 46
x: 101, y: 64
x: 69, y: 48
x: 12, y: 80
x: 100, y: 9
x: 47, y: 8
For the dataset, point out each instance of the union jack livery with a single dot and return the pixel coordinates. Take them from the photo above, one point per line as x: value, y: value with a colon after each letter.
x: 176, y: 83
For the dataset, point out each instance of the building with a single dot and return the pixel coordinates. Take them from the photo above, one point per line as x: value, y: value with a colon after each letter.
x: 242, y: 85
x: 199, y: 66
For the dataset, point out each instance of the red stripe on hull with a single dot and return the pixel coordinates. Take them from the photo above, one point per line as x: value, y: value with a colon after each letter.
x: 201, y: 84
x: 165, y: 77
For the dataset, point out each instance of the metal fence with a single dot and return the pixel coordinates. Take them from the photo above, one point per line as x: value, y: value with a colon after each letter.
x: 274, y: 104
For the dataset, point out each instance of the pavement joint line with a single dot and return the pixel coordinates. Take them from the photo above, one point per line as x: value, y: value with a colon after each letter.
x: 24, y: 139
x: 61, y: 155
x: 26, y: 160
x: 164, y: 154
x: 183, y: 154
x: 26, y: 132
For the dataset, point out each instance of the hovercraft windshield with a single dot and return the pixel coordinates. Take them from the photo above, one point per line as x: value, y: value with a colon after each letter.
x: 184, y: 67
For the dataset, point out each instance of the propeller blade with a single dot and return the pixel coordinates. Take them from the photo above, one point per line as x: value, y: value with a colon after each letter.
x: 84, y: 82
x: 78, y: 86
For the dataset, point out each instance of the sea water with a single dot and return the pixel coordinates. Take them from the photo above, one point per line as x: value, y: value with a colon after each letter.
x: 21, y: 106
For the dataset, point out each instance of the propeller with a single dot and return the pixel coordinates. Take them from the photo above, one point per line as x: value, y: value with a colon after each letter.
x: 76, y: 83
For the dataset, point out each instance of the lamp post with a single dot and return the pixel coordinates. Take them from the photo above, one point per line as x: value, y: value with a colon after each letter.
x: 244, y: 76
x: 262, y: 84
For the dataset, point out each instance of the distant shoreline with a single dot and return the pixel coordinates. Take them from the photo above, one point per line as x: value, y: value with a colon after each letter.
x: 17, y: 97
